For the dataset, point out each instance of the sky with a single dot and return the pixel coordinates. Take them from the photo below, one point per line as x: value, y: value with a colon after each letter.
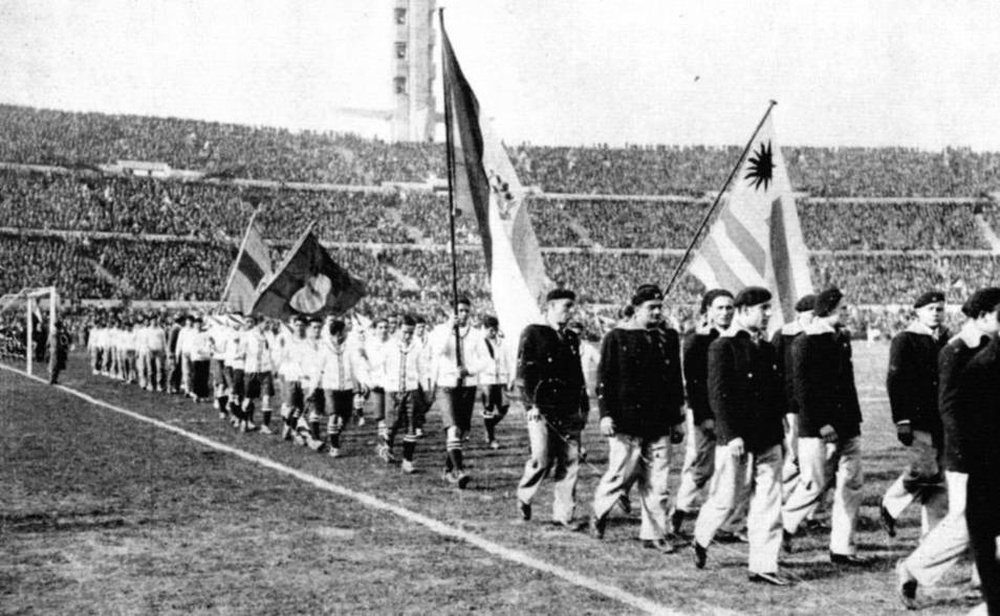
x: 914, y: 73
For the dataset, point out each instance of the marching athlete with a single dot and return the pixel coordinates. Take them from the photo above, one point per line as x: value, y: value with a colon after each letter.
x: 641, y: 395
x: 745, y: 391
x: 552, y: 388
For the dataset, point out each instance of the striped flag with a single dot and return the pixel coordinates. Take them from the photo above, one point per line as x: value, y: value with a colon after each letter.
x: 755, y: 238
x: 485, y: 183
x: 252, y: 265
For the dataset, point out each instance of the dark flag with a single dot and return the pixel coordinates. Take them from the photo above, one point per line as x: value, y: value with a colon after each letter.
x: 485, y: 182
x: 308, y: 283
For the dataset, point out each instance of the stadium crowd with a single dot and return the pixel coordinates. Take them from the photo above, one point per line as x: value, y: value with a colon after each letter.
x: 73, y: 139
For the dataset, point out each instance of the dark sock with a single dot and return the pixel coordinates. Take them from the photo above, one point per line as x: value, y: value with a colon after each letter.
x: 456, y: 459
x: 248, y: 412
x: 491, y: 424
x: 314, y: 429
x: 335, y: 439
x: 408, y: 448
x: 448, y: 462
x: 267, y: 418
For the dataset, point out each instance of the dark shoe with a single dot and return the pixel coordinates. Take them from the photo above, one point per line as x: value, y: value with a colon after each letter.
x: 728, y: 537
x: 676, y: 520
x: 700, y: 555
x: 888, y: 522
x: 906, y: 586
x: 571, y: 526
x: 661, y: 545
x: 816, y: 526
x: 786, y: 541
x: 597, y: 526
x: 625, y: 503
x: 852, y: 560
x: 525, y: 510
x: 769, y: 578
x: 462, y: 479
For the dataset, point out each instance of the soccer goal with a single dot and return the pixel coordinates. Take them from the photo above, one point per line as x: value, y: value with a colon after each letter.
x: 24, y: 339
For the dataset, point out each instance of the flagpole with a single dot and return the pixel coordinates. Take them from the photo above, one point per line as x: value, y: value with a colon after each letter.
x: 236, y: 263
x: 715, y: 204
x: 450, y: 157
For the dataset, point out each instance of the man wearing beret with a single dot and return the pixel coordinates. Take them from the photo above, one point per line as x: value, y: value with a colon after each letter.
x: 782, y: 342
x: 746, y: 393
x: 829, y: 416
x: 640, y: 395
x: 912, y: 384
x: 947, y: 542
x: 550, y: 381
x: 699, y: 454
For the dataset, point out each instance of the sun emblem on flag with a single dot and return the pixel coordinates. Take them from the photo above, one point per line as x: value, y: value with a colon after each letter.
x: 505, y: 199
x: 761, y: 167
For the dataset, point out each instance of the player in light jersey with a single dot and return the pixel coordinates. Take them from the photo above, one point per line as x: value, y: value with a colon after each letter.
x: 496, y: 377
x: 342, y: 373
x: 308, y: 355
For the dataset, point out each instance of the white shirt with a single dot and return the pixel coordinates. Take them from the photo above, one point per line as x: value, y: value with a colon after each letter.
x: 402, y: 367
x: 444, y: 363
x: 493, y: 365
x: 255, y: 351
x: 340, y: 367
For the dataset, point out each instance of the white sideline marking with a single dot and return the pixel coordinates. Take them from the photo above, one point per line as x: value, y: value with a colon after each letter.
x: 613, y: 592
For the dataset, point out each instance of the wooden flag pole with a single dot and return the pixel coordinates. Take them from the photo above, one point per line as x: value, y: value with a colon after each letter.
x: 450, y: 156
x: 715, y: 204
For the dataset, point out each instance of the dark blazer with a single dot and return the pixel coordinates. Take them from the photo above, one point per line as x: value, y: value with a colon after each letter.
x: 912, y: 379
x: 550, y: 375
x: 979, y: 422
x: 639, y: 381
x: 746, y: 392
x: 954, y: 393
x: 782, y: 343
x: 823, y: 379
x: 696, y: 372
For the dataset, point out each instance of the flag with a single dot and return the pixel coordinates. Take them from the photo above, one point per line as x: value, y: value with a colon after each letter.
x: 252, y: 265
x: 484, y: 182
x: 308, y: 283
x: 756, y: 239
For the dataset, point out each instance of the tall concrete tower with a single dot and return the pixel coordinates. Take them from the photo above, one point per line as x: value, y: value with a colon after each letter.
x: 413, y: 118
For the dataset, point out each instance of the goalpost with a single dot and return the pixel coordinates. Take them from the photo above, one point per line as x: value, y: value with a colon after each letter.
x: 32, y: 299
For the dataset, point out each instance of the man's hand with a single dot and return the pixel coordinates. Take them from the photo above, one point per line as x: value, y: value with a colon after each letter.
x: 607, y: 426
x: 904, y: 432
x: 534, y: 414
x: 708, y: 427
x: 828, y: 434
x: 677, y: 433
x: 737, y: 447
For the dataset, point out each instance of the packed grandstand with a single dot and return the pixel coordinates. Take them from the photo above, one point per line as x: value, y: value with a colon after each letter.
x: 878, y: 221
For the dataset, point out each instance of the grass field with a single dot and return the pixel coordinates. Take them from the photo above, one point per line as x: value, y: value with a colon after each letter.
x: 104, y: 514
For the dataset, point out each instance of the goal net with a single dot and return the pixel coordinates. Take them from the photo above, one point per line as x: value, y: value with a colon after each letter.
x: 26, y: 320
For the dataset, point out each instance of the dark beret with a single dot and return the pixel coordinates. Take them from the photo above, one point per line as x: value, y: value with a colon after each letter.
x: 490, y: 321
x: 710, y: 296
x: 930, y: 297
x: 464, y: 300
x: 983, y: 300
x: 805, y: 303
x: 827, y: 301
x: 751, y: 296
x: 555, y: 294
x: 647, y: 293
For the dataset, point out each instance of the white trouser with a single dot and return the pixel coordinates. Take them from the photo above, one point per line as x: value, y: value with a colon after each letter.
x: 790, y: 470
x: 921, y: 481
x: 945, y: 544
x: 737, y: 480
x: 647, y: 463
x: 699, y: 464
x: 556, y: 455
x: 846, y: 456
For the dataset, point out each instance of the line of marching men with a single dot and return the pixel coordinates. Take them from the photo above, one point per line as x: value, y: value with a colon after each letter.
x: 323, y: 370
x: 772, y: 426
